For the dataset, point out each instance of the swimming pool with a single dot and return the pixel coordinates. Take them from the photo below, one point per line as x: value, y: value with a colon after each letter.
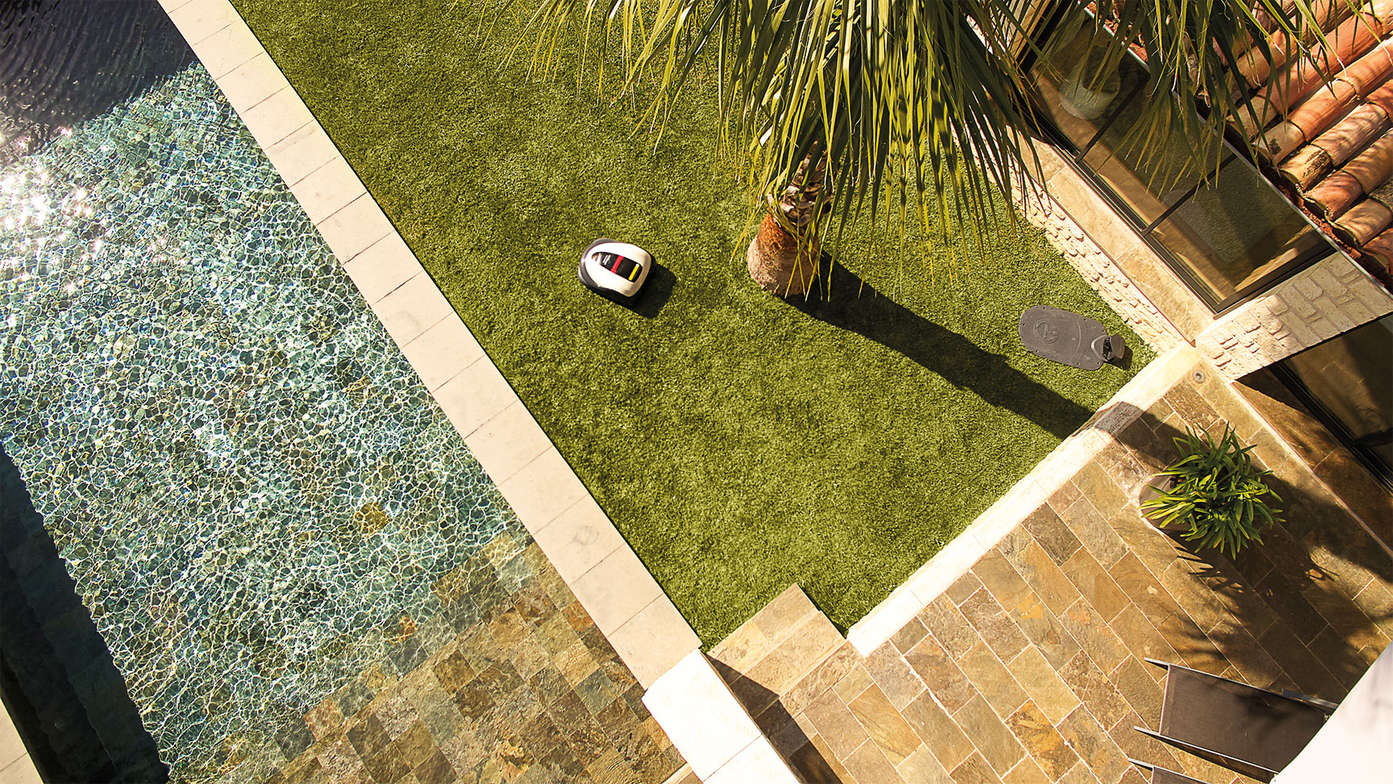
x: 246, y: 480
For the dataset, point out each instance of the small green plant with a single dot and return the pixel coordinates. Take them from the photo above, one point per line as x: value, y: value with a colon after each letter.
x: 1217, y: 491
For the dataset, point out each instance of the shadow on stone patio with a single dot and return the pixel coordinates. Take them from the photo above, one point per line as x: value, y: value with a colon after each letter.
x: 1306, y: 572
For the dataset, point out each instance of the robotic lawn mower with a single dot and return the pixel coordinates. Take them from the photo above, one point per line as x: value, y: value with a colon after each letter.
x: 615, y: 268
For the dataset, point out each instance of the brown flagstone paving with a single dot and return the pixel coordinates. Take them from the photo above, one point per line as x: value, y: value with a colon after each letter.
x: 522, y: 687
x: 1029, y: 668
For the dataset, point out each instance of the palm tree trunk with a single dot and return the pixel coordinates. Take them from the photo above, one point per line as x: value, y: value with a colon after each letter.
x: 779, y: 262
x: 784, y: 261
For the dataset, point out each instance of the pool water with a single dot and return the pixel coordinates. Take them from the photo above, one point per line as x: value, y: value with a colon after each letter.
x: 245, y: 479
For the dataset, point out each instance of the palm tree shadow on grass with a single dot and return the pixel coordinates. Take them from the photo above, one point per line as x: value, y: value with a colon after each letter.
x: 857, y: 306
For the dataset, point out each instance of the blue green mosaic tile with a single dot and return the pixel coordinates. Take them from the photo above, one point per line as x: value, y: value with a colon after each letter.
x: 244, y: 477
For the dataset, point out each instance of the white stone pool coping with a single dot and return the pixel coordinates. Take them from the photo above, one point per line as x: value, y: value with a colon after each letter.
x: 711, y: 729
x: 16, y: 767
x: 553, y: 505
x: 692, y: 704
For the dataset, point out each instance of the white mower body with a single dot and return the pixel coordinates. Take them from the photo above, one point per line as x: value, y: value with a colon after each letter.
x: 617, y: 268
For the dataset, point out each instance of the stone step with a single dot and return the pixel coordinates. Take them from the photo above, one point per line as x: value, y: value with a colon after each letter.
x: 775, y: 649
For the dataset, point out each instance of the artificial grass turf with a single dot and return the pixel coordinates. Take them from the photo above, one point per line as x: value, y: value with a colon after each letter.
x: 739, y: 442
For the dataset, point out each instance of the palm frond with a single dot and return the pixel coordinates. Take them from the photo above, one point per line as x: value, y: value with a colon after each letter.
x: 925, y: 95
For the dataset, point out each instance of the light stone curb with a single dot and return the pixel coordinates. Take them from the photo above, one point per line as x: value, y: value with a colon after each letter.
x: 16, y: 766
x: 711, y: 729
x: 990, y: 527
x: 275, y: 118
x: 21, y: 771
x: 628, y: 606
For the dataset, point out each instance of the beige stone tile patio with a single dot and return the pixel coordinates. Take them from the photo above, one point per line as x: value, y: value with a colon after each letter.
x: 1031, y: 661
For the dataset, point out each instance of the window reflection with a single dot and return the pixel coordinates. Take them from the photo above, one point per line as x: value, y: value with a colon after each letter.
x: 1149, y: 169
x: 1351, y: 377
x: 1080, y: 115
x: 1236, y: 229
x: 1227, y: 234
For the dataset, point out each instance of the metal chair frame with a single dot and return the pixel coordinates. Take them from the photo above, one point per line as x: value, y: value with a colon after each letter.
x: 1168, y: 774
x: 1246, y: 767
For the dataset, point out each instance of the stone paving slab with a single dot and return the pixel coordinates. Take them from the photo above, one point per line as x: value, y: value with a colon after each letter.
x: 711, y: 728
x: 1029, y: 666
x: 16, y: 767
x: 524, y: 688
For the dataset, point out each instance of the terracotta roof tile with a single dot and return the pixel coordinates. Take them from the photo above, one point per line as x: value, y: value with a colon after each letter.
x: 1382, y: 97
x: 1280, y: 140
x: 1380, y: 249
x: 1341, y: 47
x: 1383, y: 194
x: 1256, y: 69
x: 1363, y: 221
x: 1329, y: 121
x: 1371, y: 70
x: 1327, y: 104
x: 1334, y: 195
x: 1315, y: 160
x: 1374, y: 165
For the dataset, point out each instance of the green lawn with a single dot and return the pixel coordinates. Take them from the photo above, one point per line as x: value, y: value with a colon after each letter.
x: 739, y: 443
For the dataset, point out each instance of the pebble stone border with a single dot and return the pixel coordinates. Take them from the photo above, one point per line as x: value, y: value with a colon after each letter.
x: 984, y: 533
x: 626, y: 603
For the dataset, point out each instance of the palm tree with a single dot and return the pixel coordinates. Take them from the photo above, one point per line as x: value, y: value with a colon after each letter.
x: 844, y: 101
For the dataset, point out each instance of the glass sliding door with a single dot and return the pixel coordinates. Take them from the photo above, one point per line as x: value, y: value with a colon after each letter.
x: 1350, y: 379
x: 1223, y: 227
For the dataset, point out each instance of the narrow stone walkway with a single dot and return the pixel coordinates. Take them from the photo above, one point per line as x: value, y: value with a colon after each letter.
x: 1030, y: 667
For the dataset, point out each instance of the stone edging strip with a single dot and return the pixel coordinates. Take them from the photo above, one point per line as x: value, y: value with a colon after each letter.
x: 572, y: 530
x: 711, y: 729
x: 693, y: 705
x: 958, y: 556
x: 16, y: 766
